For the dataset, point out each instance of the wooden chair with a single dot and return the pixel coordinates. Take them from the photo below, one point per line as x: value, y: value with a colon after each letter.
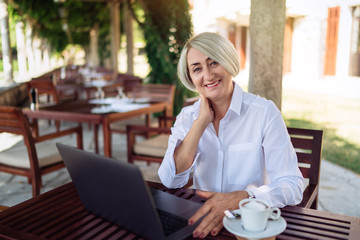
x: 46, y: 93
x: 44, y: 87
x: 308, y: 147
x: 38, y: 156
x: 46, y: 90
x: 152, y: 93
x: 126, y: 82
x: 152, y: 149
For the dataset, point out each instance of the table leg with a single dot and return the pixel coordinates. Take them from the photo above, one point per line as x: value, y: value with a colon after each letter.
x: 107, y: 138
x: 96, y: 128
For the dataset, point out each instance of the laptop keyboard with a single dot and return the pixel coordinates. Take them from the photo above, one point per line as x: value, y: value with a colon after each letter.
x: 170, y: 222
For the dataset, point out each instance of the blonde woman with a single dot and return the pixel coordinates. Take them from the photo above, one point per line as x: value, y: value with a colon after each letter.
x: 233, y: 144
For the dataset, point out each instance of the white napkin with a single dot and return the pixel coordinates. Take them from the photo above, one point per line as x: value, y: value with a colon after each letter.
x: 115, y: 105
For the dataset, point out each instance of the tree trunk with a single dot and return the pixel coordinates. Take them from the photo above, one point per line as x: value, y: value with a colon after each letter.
x: 267, y: 26
x: 5, y: 42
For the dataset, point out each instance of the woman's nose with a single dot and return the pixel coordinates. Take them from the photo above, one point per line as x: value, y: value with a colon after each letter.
x: 207, y: 73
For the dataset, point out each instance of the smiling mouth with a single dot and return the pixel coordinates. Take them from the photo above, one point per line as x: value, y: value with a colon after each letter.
x: 213, y: 84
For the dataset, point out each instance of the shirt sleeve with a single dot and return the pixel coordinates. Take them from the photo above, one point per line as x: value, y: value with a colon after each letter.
x: 286, y: 182
x: 167, y: 169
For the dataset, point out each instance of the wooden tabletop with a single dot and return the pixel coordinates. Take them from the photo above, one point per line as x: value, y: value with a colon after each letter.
x: 59, y: 214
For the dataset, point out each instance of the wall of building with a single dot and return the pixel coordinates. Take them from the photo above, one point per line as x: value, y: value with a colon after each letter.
x: 309, y: 30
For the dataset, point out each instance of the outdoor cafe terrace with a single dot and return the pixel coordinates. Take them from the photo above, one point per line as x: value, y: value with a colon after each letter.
x: 334, y: 181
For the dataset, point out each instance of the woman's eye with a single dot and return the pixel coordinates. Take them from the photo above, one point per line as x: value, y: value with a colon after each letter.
x: 214, y: 63
x: 196, y: 70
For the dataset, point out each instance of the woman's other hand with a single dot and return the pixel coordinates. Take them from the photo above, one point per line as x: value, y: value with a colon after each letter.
x: 214, y: 209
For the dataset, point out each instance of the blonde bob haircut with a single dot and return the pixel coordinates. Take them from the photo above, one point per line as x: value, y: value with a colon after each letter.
x: 215, y: 47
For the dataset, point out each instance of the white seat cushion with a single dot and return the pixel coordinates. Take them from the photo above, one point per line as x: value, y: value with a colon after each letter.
x: 155, y: 146
x: 18, y: 156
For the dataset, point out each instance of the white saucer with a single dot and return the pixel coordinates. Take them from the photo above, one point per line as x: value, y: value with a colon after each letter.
x: 235, y: 226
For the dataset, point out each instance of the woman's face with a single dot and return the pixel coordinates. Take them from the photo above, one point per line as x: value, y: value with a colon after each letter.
x: 209, y: 77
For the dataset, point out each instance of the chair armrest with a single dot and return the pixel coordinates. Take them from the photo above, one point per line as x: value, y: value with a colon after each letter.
x: 77, y: 130
x: 309, y: 196
x: 2, y: 208
x: 166, y: 121
x: 140, y: 130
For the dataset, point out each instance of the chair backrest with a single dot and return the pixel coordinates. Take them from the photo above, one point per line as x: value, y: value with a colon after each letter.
x: 130, y: 82
x: 308, y: 147
x: 43, y: 86
x: 156, y: 93
x: 124, y: 81
x: 12, y: 120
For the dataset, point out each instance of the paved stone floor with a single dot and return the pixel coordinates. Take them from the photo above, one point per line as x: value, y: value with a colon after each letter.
x: 338, y: 187
x: 15, y: 189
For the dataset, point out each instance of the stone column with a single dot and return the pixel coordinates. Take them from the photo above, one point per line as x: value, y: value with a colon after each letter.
x: 37, y: 54
x: 267, y: 26
x: 21, y: 49
x: 5, y: 42
x: 115, y: 33
x: 29, y: 50
x: 129, y: 41
x: 93, y: 58
x: 46, y: 54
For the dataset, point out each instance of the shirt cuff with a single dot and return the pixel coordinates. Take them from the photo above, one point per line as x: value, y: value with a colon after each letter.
x: 250, y: 193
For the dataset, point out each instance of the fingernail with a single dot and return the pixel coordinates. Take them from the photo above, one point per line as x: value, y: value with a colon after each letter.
x: 191, y: 222
x: 213, y: 232
x: 195, y: 234
x: 202, y: 235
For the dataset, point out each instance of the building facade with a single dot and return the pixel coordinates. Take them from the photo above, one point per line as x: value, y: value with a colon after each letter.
x: 321, y: 37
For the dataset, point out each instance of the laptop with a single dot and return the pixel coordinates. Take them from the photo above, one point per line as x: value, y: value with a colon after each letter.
x: 115, y: 191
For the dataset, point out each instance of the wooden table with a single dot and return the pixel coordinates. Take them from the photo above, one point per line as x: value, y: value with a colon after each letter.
x: 59, y: 214
x: 80, y: 111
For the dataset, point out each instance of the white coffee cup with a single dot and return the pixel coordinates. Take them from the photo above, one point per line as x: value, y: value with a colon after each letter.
x: 255, y: 214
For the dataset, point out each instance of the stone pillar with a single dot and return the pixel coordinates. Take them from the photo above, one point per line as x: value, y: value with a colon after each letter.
x: 129, y: 41
x: 29, y: 50
x: 114, y: 33
x: 21, y: 49
x: 93, y: 58
x: 46, y: 54
x: 37, y: 54
x: 5, y: 42
x: 267, y: 26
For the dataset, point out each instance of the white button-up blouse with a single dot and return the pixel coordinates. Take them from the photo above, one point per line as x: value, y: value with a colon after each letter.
x: 252, y: 151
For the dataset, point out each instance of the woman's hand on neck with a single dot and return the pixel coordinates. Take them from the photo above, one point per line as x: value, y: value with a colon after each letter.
x: 221, y: 106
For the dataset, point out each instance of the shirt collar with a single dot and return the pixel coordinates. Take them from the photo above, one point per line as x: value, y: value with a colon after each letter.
x: 236, y: 100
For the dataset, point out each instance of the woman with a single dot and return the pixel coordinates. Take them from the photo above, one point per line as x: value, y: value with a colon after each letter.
x: 232, y: 143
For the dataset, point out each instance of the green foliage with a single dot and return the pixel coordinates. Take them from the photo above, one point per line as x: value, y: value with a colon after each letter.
x: 166, y: 26
x: 14, y: 63
x: 49, y: 19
